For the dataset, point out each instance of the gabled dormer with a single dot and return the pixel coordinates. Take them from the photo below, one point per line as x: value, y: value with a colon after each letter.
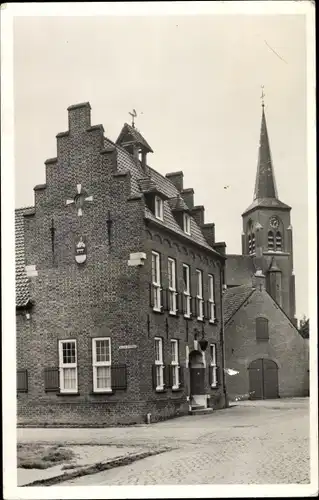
x: 181, y: 213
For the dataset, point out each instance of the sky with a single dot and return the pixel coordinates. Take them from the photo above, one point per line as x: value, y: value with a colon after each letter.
x: 195, y: 82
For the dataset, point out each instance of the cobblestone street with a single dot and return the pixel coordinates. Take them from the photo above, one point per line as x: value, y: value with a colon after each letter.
x: 265, y: 442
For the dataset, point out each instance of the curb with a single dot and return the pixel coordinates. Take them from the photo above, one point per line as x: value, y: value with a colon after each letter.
x: 94, y: 468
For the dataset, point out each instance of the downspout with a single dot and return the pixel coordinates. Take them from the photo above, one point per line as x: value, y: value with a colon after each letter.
x: 222, y: 333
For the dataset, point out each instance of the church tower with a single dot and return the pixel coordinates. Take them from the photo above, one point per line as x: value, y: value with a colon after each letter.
x: 267, y: 230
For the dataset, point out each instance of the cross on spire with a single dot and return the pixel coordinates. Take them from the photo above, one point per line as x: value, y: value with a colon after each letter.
x: 79, y: 199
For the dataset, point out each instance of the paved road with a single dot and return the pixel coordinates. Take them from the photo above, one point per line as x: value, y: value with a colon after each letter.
x: 257, y: 443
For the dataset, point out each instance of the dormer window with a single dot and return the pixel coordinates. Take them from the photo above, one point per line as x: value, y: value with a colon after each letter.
x: 187, y: 223
x: 159, y: 208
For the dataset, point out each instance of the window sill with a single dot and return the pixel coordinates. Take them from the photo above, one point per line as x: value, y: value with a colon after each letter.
x: 172, y: 313
x: 160, y: 389
x: 213, y: 321
x: 62, y: 394
x: 22, y: 391
x: 200, y: 319
x: 187, y: 316
x: 214, y: 386
x: 176, y: 389
x: 156, y: 310
x: 97, y: 393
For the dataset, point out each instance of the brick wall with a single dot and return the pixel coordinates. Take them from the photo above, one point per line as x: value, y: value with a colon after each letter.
x: 103, y: 297
x: 285, y: 346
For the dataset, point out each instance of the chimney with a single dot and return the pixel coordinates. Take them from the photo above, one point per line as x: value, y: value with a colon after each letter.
x: 188, y: 197
x: 198, y: 214
x: 176, y: 178
x: 259, y: 280
x: 208, y: 231
x: 79, y: 116
x: 220, y: 247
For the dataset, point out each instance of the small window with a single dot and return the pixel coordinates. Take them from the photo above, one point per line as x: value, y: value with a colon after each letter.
x: 159, y: 208
x: 159, y: 366
x: 213, y: 365
x: 211, y: 299
x: 175, y: 364
x: 187, y: 223
x: 262, y: 330
x: 278, y: 242
x: 156, y: 281
x: 172, y: 285
x: 199, y: 295
x: 270, y: 240
x: 68, y: 366
x: 186, y: 291
x: 249, y: 244
x: 101, y: 353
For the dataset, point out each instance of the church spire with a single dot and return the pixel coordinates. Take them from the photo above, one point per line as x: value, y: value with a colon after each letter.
x: 265, y: 186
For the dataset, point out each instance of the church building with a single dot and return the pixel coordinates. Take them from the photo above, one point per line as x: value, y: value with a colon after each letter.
x: 266, y: 357
x: 119, y: 286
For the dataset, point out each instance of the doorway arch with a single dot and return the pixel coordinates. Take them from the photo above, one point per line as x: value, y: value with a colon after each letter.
x: 263, y: 379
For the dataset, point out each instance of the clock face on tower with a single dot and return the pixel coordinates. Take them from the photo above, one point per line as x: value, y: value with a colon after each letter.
x: 274, y: 222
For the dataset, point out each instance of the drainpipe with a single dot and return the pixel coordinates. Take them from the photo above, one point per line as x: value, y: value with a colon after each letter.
x: 222, y: 333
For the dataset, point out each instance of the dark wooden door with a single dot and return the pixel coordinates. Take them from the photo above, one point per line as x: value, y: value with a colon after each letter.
x: 256, y: 379
x: 197, y: 380
x: 270, y: 376
x: 263, y: 379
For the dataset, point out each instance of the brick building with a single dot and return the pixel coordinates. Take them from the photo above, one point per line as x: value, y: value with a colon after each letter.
x: 119, y: 285
x: 262, y: 342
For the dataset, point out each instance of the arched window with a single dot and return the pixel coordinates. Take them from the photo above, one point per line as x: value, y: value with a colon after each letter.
x: 249, y: 243
x: 271, y: 243
x: 278, y: 241
x: 253, y: 243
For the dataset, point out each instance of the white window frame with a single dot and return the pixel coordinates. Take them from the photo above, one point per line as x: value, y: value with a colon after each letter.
x: 253, y: 243
x: 159, y: 364
x: 159, y: 208
x: 96, y: 364
x: 175, y: 363
x: 199, y: 295
x: 187, y: 223
x: 187, y: 291
x: 156, y: 283
x: 63, y: 366
x: 211, y: 298
x: 213, y: 364
x: 172, y: 286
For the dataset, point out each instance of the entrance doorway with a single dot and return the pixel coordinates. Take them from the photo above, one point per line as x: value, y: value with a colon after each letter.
x: 197, y: 379
x: 263, y: 379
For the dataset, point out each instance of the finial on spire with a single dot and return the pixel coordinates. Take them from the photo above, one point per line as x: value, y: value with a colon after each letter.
x: 262, y: 96
x: 133, y: 115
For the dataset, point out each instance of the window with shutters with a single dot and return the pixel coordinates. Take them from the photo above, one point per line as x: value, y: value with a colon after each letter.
x: 68, y: 366
x: 22, y: 381
x: 211, y: 299
x: 159, y: 365
x: 187, y: 223
x: 156, y: 281
x: 172, y: 294
x: 159, y: 208
x: 271, y: 240
x: 51, y: 379
x: 101, y: 354
x: 186, y: 291
x: 175, y: 364
x: 199, y: 295
x: 213, y: 365
x: 262, y: 331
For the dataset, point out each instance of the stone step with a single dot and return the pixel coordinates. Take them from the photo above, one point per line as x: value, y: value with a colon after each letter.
x: 201, y: 411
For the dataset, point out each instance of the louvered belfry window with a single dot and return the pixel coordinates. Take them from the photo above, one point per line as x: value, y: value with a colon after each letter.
x: 262, y: 329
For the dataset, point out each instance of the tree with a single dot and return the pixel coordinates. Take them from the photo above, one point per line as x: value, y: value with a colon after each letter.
x: 304, y: 327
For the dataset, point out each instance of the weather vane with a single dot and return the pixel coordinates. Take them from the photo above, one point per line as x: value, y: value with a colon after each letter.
x: 262, y: 96
x: 133, y: 115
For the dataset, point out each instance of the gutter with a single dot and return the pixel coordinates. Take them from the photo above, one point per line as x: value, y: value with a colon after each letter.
x: 222, y: 336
